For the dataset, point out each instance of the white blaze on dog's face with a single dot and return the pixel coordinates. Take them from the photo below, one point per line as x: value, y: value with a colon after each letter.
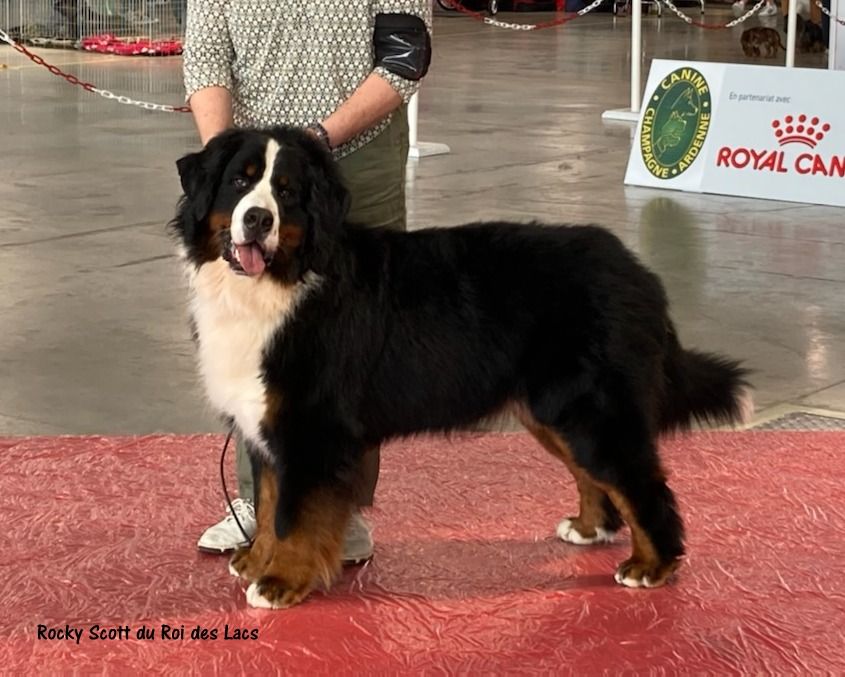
x: 256, y: 218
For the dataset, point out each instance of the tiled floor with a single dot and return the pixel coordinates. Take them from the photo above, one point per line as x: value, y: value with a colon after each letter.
x: 802, y: 420
x: 93, y: 336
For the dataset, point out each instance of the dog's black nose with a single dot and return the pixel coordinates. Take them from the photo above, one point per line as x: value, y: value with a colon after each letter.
x: 257, y: 222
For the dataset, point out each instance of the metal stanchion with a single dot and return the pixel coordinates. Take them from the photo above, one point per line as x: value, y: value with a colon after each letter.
x: 632, y: 114
x: 791, y: 30
x: 420, y: 149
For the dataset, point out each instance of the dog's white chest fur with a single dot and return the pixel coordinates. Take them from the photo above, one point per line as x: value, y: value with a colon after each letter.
x: 235, y: 317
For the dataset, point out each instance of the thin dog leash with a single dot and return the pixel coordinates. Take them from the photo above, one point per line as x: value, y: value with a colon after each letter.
x: 246, y: 536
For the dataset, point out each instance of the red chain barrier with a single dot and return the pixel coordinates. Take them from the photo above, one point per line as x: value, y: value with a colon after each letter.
x: 87, y: 86
x: 72, y: 79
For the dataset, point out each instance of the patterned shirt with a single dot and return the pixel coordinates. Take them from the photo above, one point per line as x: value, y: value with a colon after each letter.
x: 290, y: 62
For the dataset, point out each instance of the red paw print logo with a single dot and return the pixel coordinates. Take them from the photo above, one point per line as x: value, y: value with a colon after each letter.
x: 800, y: 129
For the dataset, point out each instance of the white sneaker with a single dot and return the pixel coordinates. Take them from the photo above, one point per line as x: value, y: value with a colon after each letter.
x: 738, y: 7
x: 357, y: 540
x: 226, y: 535
x: 769, y: 9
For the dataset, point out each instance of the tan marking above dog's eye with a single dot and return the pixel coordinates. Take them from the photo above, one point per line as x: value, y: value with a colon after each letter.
x: 284, y: 181
x: 250, y: 170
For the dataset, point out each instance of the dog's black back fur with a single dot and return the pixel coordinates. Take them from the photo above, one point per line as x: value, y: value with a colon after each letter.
x: 436, y: 329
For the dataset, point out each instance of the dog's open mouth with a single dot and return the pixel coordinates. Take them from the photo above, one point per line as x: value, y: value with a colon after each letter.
x: 249, y: 258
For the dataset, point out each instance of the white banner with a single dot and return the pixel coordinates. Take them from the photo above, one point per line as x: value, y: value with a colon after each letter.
x: 754, y: 131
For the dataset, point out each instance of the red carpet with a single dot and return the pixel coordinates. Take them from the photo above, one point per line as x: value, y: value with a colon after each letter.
x: 467, y: 576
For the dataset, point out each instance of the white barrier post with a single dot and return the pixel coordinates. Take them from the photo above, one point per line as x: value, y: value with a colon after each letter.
x: 413, y: 120
x: 636, y: 55
x: 836, y: 51
x: 791, y: 29
x: 417, y: 148
x: 632, y: 114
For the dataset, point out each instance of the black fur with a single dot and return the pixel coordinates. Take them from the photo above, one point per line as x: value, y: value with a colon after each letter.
x: 435, y: 329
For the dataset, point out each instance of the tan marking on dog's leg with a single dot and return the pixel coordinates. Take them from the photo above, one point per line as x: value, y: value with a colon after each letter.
x: 249, y: 563
x: 588, y: 526
x: 644, y: 568
x: 308, y: 555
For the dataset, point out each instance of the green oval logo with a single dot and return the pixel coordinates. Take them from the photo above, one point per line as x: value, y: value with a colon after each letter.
x: 675, y: 123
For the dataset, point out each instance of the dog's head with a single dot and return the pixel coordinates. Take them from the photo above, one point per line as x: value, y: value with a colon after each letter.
x: 267, y: 202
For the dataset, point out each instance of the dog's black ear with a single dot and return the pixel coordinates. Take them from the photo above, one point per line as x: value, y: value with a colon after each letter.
x: 200, y: 172
x: 327, y: 206
x: 191, y: 173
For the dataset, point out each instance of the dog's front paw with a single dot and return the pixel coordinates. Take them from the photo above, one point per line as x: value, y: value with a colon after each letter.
x: 572, y: 531
x: 635, y: 573
x: 274, y: 593
x: 248, y: 563
x: 238, y: 562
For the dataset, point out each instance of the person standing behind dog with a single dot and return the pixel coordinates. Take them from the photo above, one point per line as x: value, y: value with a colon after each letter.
x: 343, y: 69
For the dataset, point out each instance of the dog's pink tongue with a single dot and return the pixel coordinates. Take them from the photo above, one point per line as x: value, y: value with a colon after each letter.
x: 251, y: 258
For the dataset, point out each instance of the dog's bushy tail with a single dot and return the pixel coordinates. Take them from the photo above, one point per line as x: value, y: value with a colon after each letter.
x: 703, y: 387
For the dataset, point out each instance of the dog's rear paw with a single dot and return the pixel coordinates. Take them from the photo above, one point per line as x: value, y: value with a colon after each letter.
x: 571, y: 531
x: 273, y: 593
x: 634, y: 573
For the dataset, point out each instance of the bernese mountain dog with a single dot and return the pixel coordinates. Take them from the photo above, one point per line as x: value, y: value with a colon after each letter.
x: 319, y: 339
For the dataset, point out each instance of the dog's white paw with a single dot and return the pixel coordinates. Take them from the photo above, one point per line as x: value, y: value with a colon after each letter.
x: 633, y: 581
x: 634, y: 573
x: 566, y: 531
x: 233, y: 571
x: 254, y: 599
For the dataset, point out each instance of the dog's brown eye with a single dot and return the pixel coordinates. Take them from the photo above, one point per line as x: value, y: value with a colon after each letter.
x: 240, y: 182
x: 284, y: 193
